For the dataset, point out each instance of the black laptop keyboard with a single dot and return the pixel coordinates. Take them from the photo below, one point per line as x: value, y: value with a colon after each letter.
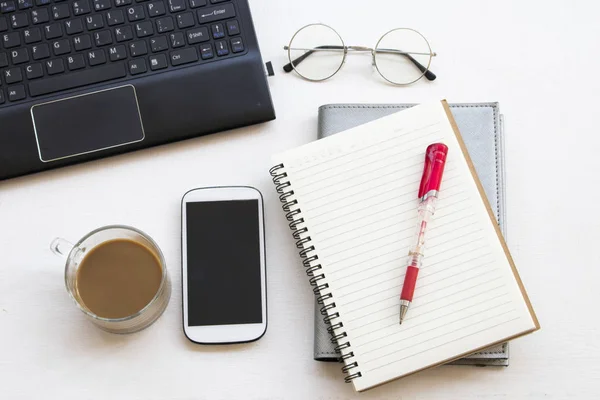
x: 47, y: 46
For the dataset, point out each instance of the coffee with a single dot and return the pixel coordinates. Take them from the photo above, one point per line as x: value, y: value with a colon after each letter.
x: 118, y: 278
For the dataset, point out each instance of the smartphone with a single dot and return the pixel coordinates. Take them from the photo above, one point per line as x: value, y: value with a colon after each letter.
x: 224, y: 272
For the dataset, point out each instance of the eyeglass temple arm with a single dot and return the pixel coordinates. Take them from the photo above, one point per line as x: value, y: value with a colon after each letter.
x: 428, y: 74
x: 289, y: 67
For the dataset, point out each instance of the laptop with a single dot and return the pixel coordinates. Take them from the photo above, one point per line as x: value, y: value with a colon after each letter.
x: 86, y: 79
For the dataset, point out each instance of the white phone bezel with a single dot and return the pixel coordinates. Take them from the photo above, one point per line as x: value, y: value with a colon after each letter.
x: 214, y: 334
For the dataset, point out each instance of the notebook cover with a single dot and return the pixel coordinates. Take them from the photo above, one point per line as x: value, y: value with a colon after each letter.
x: 481, y: 126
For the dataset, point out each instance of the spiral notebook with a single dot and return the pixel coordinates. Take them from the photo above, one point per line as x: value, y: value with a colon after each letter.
x: 351, y: 202
x: 481, y: 126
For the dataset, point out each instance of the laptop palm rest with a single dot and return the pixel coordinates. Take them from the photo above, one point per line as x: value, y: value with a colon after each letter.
x: 87, y: 123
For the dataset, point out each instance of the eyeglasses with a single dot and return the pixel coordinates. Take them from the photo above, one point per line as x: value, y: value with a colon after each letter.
x: 402, y: 56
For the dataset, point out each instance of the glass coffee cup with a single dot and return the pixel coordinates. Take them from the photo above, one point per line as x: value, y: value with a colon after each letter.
x: 117, y: 277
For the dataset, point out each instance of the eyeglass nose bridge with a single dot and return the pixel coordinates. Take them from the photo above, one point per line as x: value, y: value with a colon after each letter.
x: 362, y: 49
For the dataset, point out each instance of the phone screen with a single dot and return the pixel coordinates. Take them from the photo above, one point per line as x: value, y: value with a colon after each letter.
x: 223, y: 263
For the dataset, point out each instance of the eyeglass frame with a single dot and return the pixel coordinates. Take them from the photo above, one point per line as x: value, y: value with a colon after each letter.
x: 425, y: 71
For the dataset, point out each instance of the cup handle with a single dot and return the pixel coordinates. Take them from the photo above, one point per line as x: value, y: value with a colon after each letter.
x: 61, y: 247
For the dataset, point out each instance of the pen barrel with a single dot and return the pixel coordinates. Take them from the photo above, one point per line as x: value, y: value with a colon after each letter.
x: 410, y: 280
x: 417, y: 249
x: 415, y: 254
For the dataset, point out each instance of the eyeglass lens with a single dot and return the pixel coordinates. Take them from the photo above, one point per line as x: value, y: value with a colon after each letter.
x: 318, y: 52
x: 402, y: 56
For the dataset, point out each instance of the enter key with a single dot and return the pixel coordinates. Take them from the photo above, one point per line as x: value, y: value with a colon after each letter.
x: 216, y: 13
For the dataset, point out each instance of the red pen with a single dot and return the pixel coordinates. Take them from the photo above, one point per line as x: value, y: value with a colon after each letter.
x: 435, y: 161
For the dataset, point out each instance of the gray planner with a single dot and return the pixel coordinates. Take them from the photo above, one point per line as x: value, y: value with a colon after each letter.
x: 481, y: 127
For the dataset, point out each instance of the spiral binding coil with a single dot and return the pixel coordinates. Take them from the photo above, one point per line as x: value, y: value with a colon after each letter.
x: 303, y: 240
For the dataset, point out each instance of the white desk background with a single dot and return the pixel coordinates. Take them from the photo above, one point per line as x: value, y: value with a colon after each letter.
x: 539, y: 59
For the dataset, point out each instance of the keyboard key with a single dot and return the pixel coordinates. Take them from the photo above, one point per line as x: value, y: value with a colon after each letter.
x: 159, y: 44
x: 176, y: 5
x: 42, y: 2
x: 55, y: 66
x: 94, y: 22
x: 158, y: 61
x: 53, y: 31
x: 3, y: 60
x: 144, y: 29
x: 1, y: 96
x: 7, y: 6
x: 19, y: 56
x: 13, y: 75
x: 156, y: 9
x: 40, y: 51
x: 233, y: 28
x: 61, y: 11
x: 74, y: 26
x: 11, y: 40
x: 217, y: 31
x: 3, y: 24
x: 185, y: 20
x: 123, y: 34
x: 137, y: 66
x: 177, y: 40
x: 206, y: 15
x: 81, y: 7
x: 96, y: 57
x: 237, y: 46
x: 34, y: 71
x: 61, y: 47
x: 40, y: 16
x: 222, y: 49
x: 77, y: 79
x: 100, y: 5
x: 197, y: 35
x: 75, y: 62
x: 184, y: 56
x: 164, y: 25
x: 217, y: 1
x: 138, y: 48
x: 82, y: 42
x: 19, y: 20
x: 103, y: 38
x: 115, y: 17
x: 206, y: 51
x: 135, y: 13
x: 121, y: 3
x: 25, y: 4
x: 117, y: 53
x: 16, y: 93
x: 32, y: 35
x: 197, y: 3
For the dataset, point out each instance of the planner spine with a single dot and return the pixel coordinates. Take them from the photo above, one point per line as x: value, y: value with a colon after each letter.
x: 317, y: 279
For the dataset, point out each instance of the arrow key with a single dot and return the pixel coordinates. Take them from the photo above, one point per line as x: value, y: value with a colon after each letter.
x: 206, y: 51
x: 218, y: 31
x: 222, y: 49
x: 237, y: 45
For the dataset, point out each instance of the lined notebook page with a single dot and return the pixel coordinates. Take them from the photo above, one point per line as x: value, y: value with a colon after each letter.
x: 357, y: 192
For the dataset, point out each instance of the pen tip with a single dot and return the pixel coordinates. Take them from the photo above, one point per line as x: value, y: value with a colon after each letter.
x: 403, y: 310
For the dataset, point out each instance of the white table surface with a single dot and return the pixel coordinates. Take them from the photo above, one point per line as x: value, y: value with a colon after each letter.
x: 539, y: 59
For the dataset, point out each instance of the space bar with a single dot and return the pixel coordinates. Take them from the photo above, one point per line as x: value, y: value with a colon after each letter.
x: 77, y: 79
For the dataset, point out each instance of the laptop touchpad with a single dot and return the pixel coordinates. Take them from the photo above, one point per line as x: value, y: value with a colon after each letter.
x: 87, y: 123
